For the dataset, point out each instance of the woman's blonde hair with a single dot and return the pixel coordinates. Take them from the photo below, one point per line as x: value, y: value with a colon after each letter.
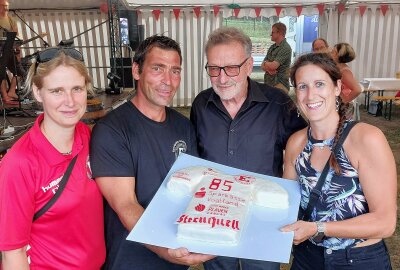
x: 38, y: 71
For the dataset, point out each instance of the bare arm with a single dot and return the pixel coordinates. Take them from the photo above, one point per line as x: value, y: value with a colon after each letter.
x: 294, y: 146
x: 371, y: 155
x: 351, y: 82
x: 120, y: 195
x: 15, y: 259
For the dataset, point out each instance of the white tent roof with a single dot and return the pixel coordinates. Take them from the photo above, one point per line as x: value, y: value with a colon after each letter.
x: 71, y: 4
x: 245, y: 3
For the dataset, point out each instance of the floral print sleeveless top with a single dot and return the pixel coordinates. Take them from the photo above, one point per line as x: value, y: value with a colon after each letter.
x: 342, y: 196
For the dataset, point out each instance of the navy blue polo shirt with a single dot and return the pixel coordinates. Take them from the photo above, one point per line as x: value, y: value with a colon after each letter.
x: 255, y: 139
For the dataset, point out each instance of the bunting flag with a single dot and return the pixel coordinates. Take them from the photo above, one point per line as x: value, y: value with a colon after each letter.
x: 176, y: 12
x: 362, y: 10
x: 384, y: 8
x: 104, y: 8
x: 321, y: 9
x: 258, y: 11
x: 236, y: 11
x: 216, y: 10
x: 299, y: 9
x: 341, y: 8
x: 156, y: 14
x: 197, y: 11
x: 278, y: 10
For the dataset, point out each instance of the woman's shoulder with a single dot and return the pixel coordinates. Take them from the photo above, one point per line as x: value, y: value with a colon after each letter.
x: 365, y: 136
x: 297, y: 141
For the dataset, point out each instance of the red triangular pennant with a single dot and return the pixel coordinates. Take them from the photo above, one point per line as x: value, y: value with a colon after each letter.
x: 236, y: 11
x: 321, y: 9
x: 278, y: 10
x: 216, y: 10
x: 299, y: 9
x: 176, y: 12
x: 362, y: 10
x: 384, y: 8
x: 156, y: 13
x: 258, y: 11
x: 196, y: 11
x: 104, y: 8
x: 341, y: 7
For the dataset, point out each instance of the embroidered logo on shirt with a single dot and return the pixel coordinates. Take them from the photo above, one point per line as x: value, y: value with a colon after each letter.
x: 179, y: 147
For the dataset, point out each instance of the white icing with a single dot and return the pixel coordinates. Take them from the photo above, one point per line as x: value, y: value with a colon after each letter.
x: 184, y: 181
x: 217, y: 212
x: 270, y: 194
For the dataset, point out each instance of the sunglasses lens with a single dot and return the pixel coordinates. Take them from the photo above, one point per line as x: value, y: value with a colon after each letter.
x: 51, y: 53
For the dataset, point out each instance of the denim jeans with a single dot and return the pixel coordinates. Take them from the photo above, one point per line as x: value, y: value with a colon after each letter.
x: 308, y: 256
x: 228, y: 263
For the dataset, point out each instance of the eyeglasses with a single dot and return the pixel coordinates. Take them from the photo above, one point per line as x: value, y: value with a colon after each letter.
x: 231, y: 71
x: 50, y: 53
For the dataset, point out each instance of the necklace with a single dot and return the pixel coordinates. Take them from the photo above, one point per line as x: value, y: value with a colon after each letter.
x: 67, y: 153
x: 320, y: 143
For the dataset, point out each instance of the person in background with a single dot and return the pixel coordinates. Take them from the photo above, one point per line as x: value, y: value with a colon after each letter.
x: 239, y: 122
x: 70, y: 234
x: 343, y: 53
x: 7, y: 24
x: 132, y: 150
x: 357, y: 206
x: 320, y: 45
x: 276, y: 63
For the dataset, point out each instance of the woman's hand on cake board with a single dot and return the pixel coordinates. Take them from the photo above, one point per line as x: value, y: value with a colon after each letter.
x: 303, y: 230
x: 184, y: 256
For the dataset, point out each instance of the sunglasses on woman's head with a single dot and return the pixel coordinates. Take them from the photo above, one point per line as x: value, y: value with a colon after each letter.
x: 50, y: 53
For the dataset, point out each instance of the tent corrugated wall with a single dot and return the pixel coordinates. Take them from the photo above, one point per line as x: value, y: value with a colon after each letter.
x: 374, y: 37
x: 62, y: 25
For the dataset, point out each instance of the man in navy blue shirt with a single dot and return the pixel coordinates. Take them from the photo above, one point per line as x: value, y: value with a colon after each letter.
x: 132, y: 150
x: 239, y: 122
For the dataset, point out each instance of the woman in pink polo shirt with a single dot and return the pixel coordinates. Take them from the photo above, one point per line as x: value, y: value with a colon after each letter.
x: 69, y: 235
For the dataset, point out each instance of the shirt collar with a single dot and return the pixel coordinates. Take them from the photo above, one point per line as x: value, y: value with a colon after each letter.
x: 254, y: 94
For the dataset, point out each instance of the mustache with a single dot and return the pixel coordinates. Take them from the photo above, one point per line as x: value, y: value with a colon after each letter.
x: 225, y: 84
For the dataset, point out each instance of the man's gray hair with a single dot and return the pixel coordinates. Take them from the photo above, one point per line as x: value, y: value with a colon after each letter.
x: 226, y: 35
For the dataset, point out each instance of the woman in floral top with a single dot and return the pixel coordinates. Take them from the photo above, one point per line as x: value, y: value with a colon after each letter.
x: 357, y: 205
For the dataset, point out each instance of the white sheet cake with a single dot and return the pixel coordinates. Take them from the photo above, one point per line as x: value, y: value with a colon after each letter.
x: 217, y: 212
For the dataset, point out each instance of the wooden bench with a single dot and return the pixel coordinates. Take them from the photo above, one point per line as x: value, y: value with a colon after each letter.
x: 388, y: 101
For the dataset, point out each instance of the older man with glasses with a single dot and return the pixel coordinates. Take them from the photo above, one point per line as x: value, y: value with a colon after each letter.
x: 239, y: 122
x: 276, y: 63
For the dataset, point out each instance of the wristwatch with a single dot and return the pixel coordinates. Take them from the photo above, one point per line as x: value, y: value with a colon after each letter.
x: 319, y: 236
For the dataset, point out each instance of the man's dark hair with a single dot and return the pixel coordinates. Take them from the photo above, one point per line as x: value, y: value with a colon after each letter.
x: 162, y: 42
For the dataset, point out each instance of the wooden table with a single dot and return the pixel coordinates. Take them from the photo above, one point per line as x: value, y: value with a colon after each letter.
x: 379, y: 85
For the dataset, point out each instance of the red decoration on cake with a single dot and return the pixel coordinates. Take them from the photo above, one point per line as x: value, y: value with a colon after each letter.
x: 200, y: 207
x: 201, y: 193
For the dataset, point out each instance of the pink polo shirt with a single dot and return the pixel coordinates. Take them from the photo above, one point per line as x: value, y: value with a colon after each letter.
x: 70, y: 235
